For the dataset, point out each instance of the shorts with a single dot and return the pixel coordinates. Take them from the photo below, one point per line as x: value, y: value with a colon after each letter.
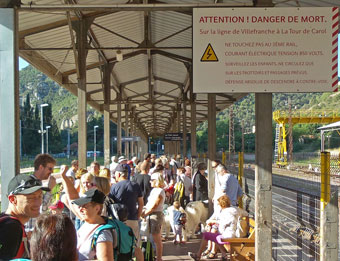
x: 178, y: 229
x: 134, y: 224
x: 156, y: 221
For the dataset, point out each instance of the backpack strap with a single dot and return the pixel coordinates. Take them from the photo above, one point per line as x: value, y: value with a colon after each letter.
x: 88, y: 235
x: 97, y: 232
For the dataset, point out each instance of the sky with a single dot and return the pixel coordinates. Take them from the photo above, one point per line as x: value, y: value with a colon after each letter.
x: 23, y: 63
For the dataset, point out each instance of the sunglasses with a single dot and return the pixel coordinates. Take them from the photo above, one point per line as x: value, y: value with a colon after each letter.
x: 28, y: 184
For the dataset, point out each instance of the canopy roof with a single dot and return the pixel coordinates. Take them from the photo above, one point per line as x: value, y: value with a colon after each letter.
x: 331, y: 127
x: 155, y: 38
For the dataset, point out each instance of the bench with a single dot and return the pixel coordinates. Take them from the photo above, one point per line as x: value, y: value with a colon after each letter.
x: 242, y: 249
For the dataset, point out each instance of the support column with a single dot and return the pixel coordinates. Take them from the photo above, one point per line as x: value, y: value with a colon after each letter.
x: 329, y: 213
x: 119, y: 128
x: 81, y: 28
x: 193, y: 130
x: 9, y: 99
x: 107, y: 98
x: 126, y: 131
x: 131, y: 133
x: 211, y: 146
x: 184, y: 128
x: 178, y: 143
x: 263, y: 176
x: 173, y: 143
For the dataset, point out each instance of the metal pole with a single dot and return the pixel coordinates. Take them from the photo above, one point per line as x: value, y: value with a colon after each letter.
x: 42, y: 125
x: 47, y: 127
x: 42, y: 129
x: 95, y: 143
x: 68, y: 142
x: 20, y: 139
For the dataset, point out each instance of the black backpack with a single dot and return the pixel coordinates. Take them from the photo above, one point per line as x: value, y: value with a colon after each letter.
x: 116, y: 210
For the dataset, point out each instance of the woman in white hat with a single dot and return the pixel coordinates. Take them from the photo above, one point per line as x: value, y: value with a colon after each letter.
x: 153, y: 211
x: 227, y: 224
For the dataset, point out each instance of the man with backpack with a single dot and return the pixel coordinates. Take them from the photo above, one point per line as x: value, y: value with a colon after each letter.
x: 25, y: 198
x: 129, y: 193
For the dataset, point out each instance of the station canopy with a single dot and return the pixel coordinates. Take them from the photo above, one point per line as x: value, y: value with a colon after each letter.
x: 155, y: 39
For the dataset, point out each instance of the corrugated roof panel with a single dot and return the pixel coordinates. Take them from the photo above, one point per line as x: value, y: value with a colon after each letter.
x: 56, y: 38
x: 167, y: 89
x: 168, y: 68
x: 132, y: 68
x: 93, y: 75
x: 136, y: 89
x: 164, y: 24
x: 306, y: 3
x: 126, y: 24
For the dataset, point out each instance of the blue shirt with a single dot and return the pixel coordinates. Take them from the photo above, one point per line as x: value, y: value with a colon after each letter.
x: 232, y: 188
x: 127, y: 193
x: 177, y: 217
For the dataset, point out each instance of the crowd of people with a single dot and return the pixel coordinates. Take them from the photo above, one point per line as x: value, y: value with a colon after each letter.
x: 37, y: 226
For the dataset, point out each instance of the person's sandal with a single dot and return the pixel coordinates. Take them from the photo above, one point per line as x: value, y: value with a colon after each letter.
x: 206, y: 252
x: 194, y: 256
x: 211, y: 255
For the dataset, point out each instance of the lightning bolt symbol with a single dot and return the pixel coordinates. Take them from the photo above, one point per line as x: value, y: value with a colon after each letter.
x: 209, y: 53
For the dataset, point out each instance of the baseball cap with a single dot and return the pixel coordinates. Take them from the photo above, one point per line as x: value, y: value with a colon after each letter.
x: 130, y: 162
x: 92, y: 195
x: 57, y: 205
x: 121, y: 158
x: 122, y: 168
x: 24, y: 184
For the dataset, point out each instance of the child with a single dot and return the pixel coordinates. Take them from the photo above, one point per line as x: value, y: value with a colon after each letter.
x: 179, y: 222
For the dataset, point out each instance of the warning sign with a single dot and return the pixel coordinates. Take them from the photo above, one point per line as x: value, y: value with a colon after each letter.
x: 265, y: 50
x: 209, y: 55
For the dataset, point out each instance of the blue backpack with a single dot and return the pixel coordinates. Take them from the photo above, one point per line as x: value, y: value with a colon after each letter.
x: 126, y: 240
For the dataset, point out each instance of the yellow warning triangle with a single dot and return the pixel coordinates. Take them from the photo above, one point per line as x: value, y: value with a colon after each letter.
x: 209, y: 55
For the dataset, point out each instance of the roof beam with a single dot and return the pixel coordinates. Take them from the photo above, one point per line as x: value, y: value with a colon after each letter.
x: 57, y: 24
x: 134, y: 81
x: 116, y: 34
x: 168, y: 81
x: 112, y: 60
x: 173, y: 56
x: 126, y: 7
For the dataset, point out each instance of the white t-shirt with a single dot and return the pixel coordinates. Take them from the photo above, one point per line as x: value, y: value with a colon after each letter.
x: 155, y: 192
x: 228, y: 218
x: 84, y: 238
